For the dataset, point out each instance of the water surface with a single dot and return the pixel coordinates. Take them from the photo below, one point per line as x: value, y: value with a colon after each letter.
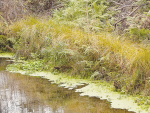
x: 27, y: 94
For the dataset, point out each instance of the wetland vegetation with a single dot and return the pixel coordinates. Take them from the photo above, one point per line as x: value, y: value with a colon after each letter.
x: 28, y: 94
x: 97, y: 40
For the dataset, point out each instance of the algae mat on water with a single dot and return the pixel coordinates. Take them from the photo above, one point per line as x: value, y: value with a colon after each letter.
x: 98, y: 90
x: 36, y: 94
x: 6, y: 55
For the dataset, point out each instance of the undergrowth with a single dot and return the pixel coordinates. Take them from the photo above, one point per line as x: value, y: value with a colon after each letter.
x: 97, y: 55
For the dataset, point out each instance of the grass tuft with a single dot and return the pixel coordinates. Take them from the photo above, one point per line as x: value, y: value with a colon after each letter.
x: 67, y: 47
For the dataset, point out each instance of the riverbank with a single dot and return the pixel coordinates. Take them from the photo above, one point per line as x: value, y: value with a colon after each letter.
x: 101, y: 56
x: 36, y: 94
x: 99, y: 89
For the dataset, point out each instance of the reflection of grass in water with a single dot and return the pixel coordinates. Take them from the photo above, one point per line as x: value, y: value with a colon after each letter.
x: 2, y: 68
x: 42, y: 90
x: 99, y: 84
x: 9, y: 93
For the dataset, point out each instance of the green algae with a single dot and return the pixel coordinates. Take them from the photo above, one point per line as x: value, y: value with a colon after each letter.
x: 99, y: 89
x: 92, y: 90
x: 6, y: 55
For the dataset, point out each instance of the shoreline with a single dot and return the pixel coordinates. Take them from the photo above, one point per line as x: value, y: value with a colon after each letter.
x: 99, y: 90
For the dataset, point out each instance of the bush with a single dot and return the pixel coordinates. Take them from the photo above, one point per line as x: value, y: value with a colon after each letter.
x: 139, y: 27
x: 140, y: 35
x: 76, y: 14
x: 3, y: 43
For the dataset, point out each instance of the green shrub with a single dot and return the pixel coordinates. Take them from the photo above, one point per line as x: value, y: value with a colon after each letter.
x: 140, y: 34
x: 3, y: 43
x: 76, y: 14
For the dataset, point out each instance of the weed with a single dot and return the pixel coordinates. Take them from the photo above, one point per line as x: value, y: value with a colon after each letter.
x: 66, y: 47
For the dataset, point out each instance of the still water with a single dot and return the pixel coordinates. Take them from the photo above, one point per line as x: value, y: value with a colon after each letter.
x: 27, y: 94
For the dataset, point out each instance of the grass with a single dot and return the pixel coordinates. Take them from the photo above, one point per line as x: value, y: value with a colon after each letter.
x: 71, y: 49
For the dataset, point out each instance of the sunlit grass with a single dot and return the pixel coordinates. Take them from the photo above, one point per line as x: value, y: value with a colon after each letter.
x: 34, y: 34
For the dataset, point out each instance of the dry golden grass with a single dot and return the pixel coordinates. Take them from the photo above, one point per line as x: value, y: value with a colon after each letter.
x: 133, y: 59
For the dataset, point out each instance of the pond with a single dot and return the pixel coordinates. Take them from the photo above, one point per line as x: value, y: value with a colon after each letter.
x: 28, y: 94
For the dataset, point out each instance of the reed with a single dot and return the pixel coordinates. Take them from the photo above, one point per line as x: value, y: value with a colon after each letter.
x: 68, y: 46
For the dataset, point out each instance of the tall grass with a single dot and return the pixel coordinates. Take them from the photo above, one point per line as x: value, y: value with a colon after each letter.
x: 67, y: 47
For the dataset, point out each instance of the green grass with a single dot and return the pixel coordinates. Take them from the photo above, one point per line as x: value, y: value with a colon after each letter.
x: 70, y: 48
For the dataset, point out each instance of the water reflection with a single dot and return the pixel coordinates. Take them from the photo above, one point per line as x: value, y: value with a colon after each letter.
x: 26, y: 94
